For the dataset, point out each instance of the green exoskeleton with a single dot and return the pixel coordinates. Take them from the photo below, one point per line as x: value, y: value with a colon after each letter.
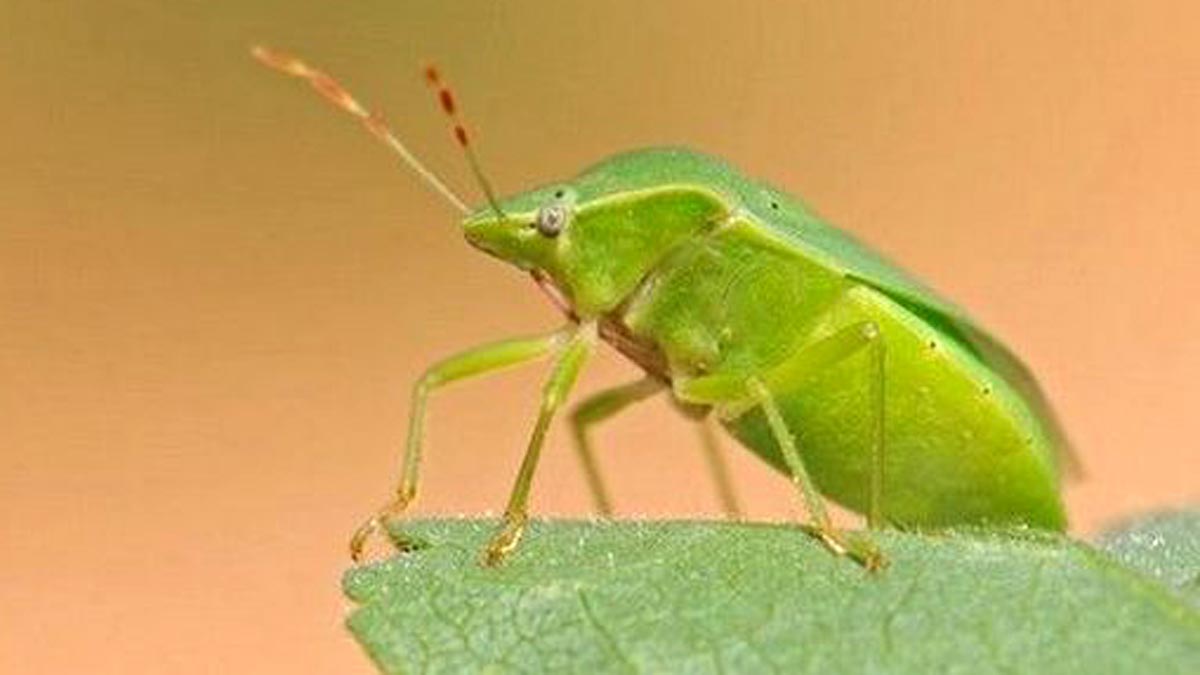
x: 831, y: 364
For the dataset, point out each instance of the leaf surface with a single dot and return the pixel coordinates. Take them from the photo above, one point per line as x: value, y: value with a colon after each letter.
x: 600, y: 597
x: 1165, y: 546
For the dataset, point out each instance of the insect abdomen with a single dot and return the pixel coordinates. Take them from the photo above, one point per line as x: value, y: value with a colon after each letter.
x: 962, y: 446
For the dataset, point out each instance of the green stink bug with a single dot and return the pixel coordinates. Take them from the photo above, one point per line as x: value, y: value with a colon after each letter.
x: 831, y: 364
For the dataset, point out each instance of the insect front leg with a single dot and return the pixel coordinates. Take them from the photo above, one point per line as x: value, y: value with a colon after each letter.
x: 473, y: 362
x: 739, y: 394
x: 595, y: 409
x: 562, y: 378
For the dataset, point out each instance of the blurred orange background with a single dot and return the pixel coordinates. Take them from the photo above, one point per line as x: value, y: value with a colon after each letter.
x: 215, y: 291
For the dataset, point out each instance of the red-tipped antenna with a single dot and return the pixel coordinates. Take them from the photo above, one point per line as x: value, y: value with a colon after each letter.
x: 327, y: 87
x: 446, y: 99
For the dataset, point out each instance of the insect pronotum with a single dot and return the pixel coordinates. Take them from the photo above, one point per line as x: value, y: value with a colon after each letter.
x: 830, y: 363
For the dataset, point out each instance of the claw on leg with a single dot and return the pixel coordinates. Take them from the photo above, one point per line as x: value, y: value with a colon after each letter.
x: 504, y: 541
x: 377, y: 525
x: 854, y: 546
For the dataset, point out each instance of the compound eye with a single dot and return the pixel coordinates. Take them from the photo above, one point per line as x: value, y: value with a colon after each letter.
x: 551, y: 220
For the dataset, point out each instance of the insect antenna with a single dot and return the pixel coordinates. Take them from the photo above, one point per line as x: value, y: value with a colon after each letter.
x: 336, y: 94
x: 446, y: 98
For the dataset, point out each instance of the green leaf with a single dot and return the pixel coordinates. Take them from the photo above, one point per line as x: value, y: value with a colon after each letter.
x: 1165, y: 546
x: 720, y: 597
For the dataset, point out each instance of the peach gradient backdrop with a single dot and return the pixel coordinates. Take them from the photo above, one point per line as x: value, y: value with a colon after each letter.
x: 215, y: 292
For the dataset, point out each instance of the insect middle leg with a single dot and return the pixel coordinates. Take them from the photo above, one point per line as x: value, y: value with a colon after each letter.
x: 471, y: 363
x: 738, y: 395
x: 562, y: 378
x: 715, y: 459
x: 595, y: 409
x: 604, y: 405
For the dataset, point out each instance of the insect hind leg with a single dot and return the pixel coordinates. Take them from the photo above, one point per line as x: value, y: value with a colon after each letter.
x: 738, y: 395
